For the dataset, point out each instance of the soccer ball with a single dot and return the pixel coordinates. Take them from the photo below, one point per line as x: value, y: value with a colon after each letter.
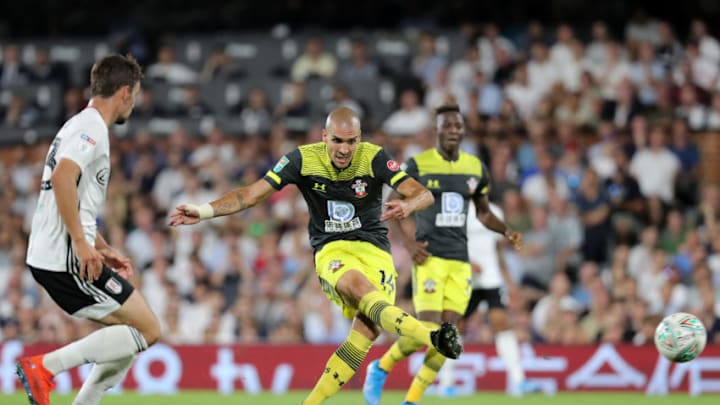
x: 680, y: 337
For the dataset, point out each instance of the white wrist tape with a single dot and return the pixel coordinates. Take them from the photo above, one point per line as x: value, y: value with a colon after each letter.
x: 205, y: 211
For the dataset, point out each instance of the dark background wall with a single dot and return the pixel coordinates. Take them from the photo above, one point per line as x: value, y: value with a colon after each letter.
x: 47, y: 17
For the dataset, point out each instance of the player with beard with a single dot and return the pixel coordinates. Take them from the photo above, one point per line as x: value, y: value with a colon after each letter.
x: 341, y: 179
x: 69, y: 257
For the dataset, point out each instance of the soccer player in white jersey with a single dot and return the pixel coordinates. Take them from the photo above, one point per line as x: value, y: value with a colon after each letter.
x: 489, y: 275
x: 68, y: 256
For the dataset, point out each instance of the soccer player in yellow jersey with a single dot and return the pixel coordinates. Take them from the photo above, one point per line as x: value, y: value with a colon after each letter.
x: 442, y: 274
x: 341, y: 179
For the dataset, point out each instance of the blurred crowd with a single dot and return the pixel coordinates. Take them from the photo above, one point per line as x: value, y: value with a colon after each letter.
x: 590, y: 138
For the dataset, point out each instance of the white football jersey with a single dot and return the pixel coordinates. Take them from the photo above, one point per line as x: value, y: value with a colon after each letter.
x: 482, y: 249
x: 84, y: 140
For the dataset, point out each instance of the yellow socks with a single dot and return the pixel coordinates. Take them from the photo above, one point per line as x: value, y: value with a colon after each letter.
x: 432, y: 364
x: 403, y: 347
x: 340, y: 367
x: 393, y: 319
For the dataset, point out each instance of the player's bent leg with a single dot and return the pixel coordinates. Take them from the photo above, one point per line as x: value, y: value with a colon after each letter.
x: 120, y: 340
x: 343, y: 364
x: 133, y: 327
x: 355, y: 289
x: 135, y: 312
x: 103, y: 376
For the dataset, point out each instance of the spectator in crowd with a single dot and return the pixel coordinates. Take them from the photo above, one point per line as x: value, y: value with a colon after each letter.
x: 147, y: 107
x: 167, y: 69
x: 596, y: 51
x: 191, y: 105
x: 541, y: 71
x: 295, y: 111
x: 220, y: 66
x: 594, y: 211
x: 427, y: 62
x: 668, y: 49
x: 255, y: 114
x: 688, y: 154
x: 489, y: 44
x: 410, y: 119
x: 546, y: 183
x: 314, y: 62
x: 709, y: 47
x: 360, y: 68
x: 461, y: 75
x: 655, y: 169
x: 43, y: 70
x: 19, y: 113
x: 12, y: 71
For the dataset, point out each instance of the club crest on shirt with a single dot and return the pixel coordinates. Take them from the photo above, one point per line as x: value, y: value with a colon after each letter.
x: 359, y: 187
x: 472, y: 183
x: 113, y: 286
x: 102, y: 176
x: 393, y: 165
x: 429, y: 286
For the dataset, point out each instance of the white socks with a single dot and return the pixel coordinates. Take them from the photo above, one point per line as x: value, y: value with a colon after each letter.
x: 105, y: 345
x: 103, y: 376
x: 507, y: 347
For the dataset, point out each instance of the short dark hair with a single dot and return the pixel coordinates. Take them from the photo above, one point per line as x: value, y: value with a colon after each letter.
x: 449, y: 105
x: 113, y: 72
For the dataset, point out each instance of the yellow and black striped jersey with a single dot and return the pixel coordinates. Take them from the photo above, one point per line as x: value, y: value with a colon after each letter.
x: 453, y: 184
x: 344, y: 204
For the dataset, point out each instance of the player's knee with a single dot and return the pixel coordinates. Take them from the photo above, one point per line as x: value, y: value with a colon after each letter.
x: 498, y: 320
x: 353, y: 285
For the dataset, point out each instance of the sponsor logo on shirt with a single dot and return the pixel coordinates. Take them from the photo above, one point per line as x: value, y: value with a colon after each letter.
x: 281, y: 164
x: 87, y: 139
x: 319, y: 187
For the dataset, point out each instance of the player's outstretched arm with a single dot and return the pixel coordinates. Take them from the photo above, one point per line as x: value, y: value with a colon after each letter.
x: 492, y: 222
x: 415, y: 198
x: 231, y: 202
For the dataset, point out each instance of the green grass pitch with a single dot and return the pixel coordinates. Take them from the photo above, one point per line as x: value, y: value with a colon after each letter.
x: 390, y: 398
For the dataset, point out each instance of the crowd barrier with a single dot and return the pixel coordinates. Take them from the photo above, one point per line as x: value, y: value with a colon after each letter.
x: 165, y: 369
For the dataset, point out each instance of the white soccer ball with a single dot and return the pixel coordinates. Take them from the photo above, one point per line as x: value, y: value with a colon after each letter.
x: 680, y: 337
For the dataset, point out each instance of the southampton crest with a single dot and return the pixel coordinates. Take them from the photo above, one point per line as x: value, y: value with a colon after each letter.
x: 360, y: 188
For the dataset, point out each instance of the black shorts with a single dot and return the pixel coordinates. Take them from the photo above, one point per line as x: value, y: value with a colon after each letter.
x: 490, y: 295
x: 82, y: 298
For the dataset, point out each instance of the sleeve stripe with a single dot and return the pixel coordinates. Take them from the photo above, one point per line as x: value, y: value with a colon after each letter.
x: 397, y: 178
x: 274, y: 176
x: 485, y: 190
